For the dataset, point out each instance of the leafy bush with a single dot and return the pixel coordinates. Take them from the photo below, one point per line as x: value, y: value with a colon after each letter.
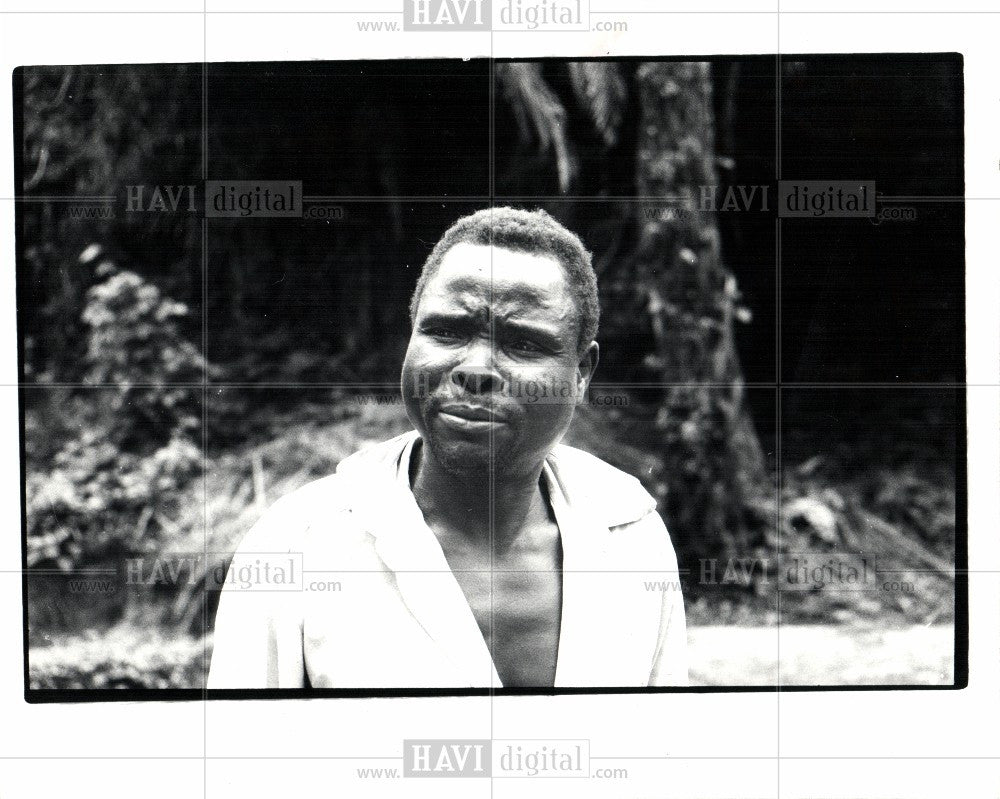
x: 136, y: 345
x: 114, y: 484
x: 121, y: 658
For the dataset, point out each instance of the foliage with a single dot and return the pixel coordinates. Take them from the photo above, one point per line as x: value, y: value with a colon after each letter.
x: 89, y: 132
x: 538, y: 111
x: 601, y: 87
x: 135, y: 346
x: 117, y: 479
x: 125, y: 658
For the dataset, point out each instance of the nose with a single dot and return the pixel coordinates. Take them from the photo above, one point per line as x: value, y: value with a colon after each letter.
x: 477, y: 374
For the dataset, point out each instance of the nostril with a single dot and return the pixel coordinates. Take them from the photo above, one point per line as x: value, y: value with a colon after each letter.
x: 476, y: 380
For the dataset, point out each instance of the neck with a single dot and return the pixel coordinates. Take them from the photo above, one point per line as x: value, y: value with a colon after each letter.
x: 461, y: 502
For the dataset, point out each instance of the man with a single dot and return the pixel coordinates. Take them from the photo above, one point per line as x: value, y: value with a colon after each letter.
x: 475, y: 550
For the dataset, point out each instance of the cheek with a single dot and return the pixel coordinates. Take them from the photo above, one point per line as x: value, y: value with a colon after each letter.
x: 551, y: 385
x: 542, y: 427
x: 549, y: 399
x: 423, y: 369
x: 546, y: 404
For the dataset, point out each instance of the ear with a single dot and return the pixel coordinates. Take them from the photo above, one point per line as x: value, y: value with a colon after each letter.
x: 585, y: 369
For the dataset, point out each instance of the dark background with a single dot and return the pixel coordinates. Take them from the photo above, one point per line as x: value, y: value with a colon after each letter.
x: 859, y: 302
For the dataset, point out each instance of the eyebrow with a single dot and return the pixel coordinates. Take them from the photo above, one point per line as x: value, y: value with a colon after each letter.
x: 467, y: 318
x: 548, y: 333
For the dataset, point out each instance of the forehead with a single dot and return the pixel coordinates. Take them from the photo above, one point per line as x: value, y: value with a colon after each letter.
x: 478, y: 275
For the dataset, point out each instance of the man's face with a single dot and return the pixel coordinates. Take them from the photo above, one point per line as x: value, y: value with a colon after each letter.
x: 492, y: 373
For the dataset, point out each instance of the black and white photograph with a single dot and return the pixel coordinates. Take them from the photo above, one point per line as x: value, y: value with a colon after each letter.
x: 500, y: 398
x: 465, y: 375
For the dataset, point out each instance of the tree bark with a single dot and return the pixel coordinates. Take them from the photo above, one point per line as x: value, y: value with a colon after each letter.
x: 713, y: 465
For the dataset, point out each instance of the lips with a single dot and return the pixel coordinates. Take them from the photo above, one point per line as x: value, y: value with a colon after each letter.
x: 471, y: 413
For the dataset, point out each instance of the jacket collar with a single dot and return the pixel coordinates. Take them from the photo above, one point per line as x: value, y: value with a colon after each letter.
x: 593, y: 488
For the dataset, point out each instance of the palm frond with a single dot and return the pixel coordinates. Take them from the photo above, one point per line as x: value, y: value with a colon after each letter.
x: 539, y: 113
x: 602, y: 91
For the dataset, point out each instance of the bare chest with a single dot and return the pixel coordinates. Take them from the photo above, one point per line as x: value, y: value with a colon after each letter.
x: 517, y: 602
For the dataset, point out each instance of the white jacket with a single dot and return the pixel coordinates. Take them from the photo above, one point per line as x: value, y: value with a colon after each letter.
x: 398, y: 617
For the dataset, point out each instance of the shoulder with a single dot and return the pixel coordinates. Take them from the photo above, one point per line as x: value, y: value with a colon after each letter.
x: 598, y: 491
x: 283, y: 525
x: 615, y: 497
x: 362, y: 480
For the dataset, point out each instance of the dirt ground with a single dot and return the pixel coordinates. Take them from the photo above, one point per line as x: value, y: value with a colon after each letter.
x: 820, y: 655
x: 717, y: 656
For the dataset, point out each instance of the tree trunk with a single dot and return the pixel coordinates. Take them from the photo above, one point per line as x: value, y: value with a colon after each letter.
x: 713, y: 466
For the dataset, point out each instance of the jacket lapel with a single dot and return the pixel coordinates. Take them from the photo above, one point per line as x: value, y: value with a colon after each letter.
x: 426, y: 584
x: 607, y: 636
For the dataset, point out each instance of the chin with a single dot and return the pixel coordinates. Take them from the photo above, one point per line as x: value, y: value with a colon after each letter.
x: 469, y: 460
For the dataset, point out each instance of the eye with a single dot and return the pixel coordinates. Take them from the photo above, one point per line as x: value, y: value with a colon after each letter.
x: 525, y: 346
x: 443, y: 333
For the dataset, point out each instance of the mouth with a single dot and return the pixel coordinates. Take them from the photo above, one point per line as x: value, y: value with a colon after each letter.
x: 469, y: 416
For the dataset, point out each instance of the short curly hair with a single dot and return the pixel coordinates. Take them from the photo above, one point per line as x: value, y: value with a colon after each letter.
x: 534, y: 232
